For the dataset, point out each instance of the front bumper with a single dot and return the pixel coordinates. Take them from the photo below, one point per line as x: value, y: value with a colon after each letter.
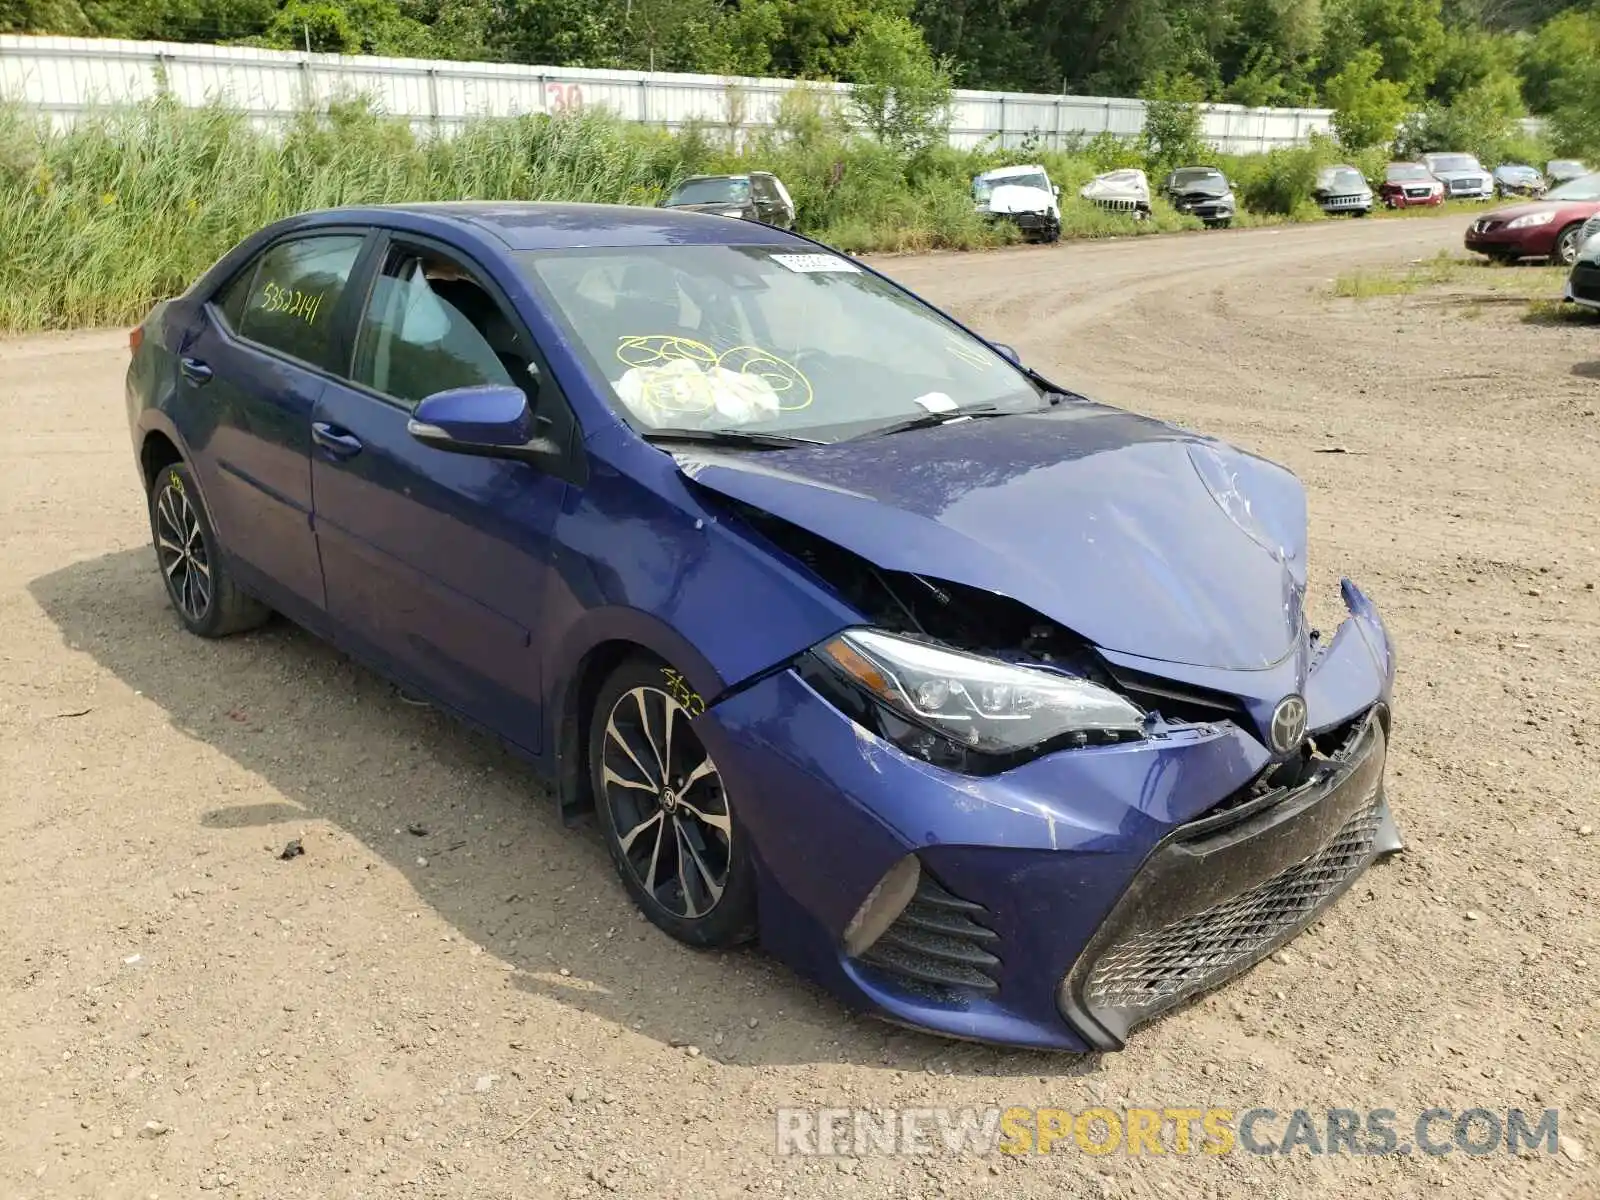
x: 1583, y: 285
x: 1413, y: 198
x: 1053, y: 892
x: 1209, y: 211
x: 1360, y: 202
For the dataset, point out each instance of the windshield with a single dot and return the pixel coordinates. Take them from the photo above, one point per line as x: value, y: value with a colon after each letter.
x: 764, y: 339
x: 1509, y: 172
x: 982, y: 188
x: 1193, y: 175
x: 1343, y: 177
x: 711, y: 191
x: 1455, y: 162
x: 1587, y: 188
x: 1567, y: 166
x: 1405, y: 171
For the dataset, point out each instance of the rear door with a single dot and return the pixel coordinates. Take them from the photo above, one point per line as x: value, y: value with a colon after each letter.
x: 437, y: 562
x: 250, y: 371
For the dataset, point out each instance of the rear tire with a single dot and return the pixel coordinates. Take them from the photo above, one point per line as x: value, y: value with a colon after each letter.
x: 673, y: 832
x: 192, y: 566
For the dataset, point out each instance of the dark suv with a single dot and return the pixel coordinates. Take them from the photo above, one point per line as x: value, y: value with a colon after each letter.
x: 758, y: 196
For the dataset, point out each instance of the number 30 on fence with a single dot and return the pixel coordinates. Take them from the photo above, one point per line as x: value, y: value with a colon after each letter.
x: 562, y: 97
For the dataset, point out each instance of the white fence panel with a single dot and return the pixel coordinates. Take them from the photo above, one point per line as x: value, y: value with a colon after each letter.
x: 66, y: 77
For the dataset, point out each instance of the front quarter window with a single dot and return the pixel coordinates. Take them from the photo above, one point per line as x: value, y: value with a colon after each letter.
x: 771, y: 339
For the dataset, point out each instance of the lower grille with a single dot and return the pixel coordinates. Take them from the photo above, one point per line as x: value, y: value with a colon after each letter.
x: 1156, y: 969
x: 1346, y: 202
x: 1585, y: 282
x: 1118, y: 205
x: 940, y: 945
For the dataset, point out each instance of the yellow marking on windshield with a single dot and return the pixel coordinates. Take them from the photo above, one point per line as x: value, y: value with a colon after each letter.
x: 970, y: 355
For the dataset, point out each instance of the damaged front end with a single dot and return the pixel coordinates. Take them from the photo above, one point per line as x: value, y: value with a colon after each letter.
x: 1032, y: 837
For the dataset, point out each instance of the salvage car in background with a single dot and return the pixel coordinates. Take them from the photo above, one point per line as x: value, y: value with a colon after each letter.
x: 757, y: 196
x: 1408, y: 185
x: 1545, y: 228
x: 994, y: 710
x: 1514, y: 179
x: 1202, y: 192
x: 1125, y: 191
x: 1342, y: 191
x: 1463, y: 176
x: 1564, y: 170
x: 1583, y: 283
x: 1023, y: 196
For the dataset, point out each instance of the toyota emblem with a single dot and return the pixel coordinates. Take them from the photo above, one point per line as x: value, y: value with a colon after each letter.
x: 1288, y: 724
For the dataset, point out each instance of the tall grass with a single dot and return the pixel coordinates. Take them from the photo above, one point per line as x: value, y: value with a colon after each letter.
x: 130, y: 204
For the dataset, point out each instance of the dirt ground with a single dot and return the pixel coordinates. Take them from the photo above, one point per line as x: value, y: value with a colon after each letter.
x: 479, y: 1012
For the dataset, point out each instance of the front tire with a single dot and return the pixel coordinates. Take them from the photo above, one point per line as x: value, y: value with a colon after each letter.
x: 671, y: 829
x: 197, y: 578
x: 1566, y: 251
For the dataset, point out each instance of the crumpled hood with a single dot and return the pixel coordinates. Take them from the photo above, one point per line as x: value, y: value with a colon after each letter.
x: 1094, y: 517
x: 1129, y: 183
x: 1019, y: 198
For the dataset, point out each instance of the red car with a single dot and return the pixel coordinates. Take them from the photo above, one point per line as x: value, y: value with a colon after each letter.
x: 1546, y: 228
x: 1407, y: 185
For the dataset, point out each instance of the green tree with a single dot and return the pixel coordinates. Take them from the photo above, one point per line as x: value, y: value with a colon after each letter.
x: 1172, y: 123
x: 1366, y: 110
x: 1408, y: 35
x: 1562, y: 49
x: 901, y: 93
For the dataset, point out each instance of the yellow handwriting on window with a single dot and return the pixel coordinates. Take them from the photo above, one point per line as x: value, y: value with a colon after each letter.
x: 275, y: 298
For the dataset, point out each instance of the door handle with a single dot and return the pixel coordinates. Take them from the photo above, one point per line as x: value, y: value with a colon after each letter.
x: 335, y: 441
x: 194, y: 370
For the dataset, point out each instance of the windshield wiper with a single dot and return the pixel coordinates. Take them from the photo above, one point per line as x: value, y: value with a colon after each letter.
x: 928, y: 420
x: 748, y: 438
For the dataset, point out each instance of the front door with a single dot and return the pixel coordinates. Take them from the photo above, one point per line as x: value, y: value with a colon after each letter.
x: 437, y: 562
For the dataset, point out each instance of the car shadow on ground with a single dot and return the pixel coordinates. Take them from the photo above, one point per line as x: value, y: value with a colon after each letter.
x: 1587, y: 370
x: 337, y: 743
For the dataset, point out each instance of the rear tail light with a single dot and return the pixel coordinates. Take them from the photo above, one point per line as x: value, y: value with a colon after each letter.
x: 135, y: 338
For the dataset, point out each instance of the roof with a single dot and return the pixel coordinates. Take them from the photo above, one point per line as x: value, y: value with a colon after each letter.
x: 530, y: 225
x: 1010, y: 172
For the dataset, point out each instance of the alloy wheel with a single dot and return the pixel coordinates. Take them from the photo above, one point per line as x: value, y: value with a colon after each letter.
x: 666, y: 803
x: 181, y: 551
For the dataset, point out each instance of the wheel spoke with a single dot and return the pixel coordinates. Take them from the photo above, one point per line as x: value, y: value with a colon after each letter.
x: 627, y: 839
x: 615, y: 735
x: 666, y: 741
x: 644, y: 724
x: 713, y: 889
x: 609, y: 777
x: 177, y: 561
x: 166, y: 544
x: 202, y: 589
x: 683, y: 880
x: 201, y: 567
x: 705, y: 769
x: 717, y: 821
x: 655, y: 856
x: 168, y: 512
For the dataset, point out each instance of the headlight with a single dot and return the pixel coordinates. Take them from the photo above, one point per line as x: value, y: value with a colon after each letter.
x: 979, y: 704
x: 1225, y: 198
x: 1532, y: 220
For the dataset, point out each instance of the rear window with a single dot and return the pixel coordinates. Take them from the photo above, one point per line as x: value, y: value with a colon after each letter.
x: 292, y: 294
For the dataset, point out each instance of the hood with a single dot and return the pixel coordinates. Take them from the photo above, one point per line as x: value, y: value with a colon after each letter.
x: 1019, y: 198
x: 1094, y: 517
x: 1128, y: 184
x: 1521, y: 210
x: 1203, y: 189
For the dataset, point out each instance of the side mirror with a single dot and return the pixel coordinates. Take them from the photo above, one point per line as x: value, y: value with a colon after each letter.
x: 1055, y: 189
x: 1007, y: 352
x: 493, y: 421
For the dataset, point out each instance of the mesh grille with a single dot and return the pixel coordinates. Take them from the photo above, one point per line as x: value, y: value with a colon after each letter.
x: 1155, y: 969
x: 939, y: 945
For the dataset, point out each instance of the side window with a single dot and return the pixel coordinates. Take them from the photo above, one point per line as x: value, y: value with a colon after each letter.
x: 429, y: 326
x: 231, y: 299
x: 291, y: 298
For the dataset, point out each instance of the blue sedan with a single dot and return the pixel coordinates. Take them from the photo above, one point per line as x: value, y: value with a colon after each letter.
x: 990, y: 708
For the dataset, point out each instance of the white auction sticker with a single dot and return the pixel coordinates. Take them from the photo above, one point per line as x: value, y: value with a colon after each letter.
x: 814, y: 264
